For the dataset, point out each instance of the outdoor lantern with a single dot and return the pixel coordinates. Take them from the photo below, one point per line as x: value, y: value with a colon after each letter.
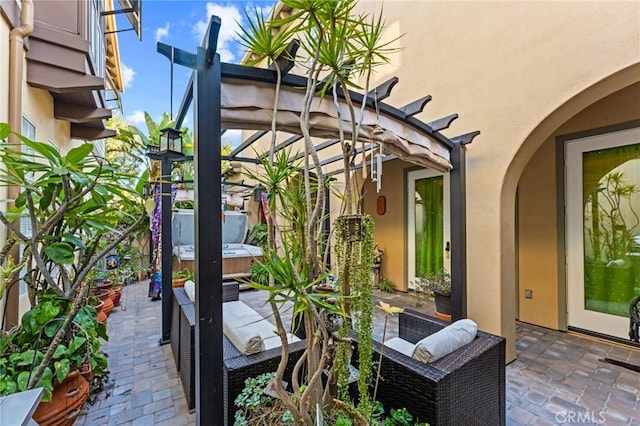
x: 257, y: 193
x: 148, y: 189
x: 170, y: 141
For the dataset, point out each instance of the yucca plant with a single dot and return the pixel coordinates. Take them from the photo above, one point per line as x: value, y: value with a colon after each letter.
x: 340, y: 50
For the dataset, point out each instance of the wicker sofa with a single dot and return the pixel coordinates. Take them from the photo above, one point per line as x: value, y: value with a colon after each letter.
x: 466, y: 387
x: 237, y: 367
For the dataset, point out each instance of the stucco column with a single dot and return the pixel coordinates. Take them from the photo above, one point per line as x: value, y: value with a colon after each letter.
x: 491, y: 257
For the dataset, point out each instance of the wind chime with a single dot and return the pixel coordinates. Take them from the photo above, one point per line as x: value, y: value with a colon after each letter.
x: 377, y: 149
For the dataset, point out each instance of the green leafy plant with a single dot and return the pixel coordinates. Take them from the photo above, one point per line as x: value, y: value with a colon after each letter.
x: 340, y: 47
x: 386, y: 285
x: 355, y: 253
x: 75, y: 204
x: 189, y: 205
x: 24, y: 347
x: 425, y: 287
x: 185, y: 273
x: 400, y: 417
x: 258, y: 235
x: 343, y: 421
x: 257, y: 407
x: 259, y: 273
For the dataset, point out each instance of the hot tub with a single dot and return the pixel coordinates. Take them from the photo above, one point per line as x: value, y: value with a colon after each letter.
x: 236, y: 256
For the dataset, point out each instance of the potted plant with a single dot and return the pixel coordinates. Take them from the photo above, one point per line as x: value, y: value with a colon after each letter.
x: 342, y: 47
x: 178, y: 278
x: 73, y: 203
x: 438, y: 286
x: 80, y: 350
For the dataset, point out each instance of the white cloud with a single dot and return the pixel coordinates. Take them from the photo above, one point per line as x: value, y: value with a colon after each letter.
x: 230, y: 16
x: 233, y: 136
x: 135, y: 118
x: 127, y: 75
x: 162, y: 32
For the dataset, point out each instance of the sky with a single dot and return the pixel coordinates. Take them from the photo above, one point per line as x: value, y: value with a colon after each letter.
x: 182, y: 24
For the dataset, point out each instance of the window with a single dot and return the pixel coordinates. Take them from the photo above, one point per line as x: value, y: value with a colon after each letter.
x: 100, y: 148
x: 96, y: 37
x: 29, y: 131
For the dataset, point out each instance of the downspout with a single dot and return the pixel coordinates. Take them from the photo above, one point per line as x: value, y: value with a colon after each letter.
x: 16, y: 71
x: 16, y: 66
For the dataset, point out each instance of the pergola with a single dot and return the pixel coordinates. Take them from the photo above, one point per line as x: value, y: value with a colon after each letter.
x: 227, y: 96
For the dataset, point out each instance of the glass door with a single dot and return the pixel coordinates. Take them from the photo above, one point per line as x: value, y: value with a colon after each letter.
x: 428, y: 223
x: 602, y: 192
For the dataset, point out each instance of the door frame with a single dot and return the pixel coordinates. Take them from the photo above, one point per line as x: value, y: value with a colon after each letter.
x: 561, y: 142
x: 411, y: 176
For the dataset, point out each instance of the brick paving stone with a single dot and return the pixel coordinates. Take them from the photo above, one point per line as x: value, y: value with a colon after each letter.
x: 542, y: 422
x: 591, y: 403
x: 144, y: 421
x: 536, y: 398
x: 156, y: 406
x: 553, y: 372
x: 161, y: 394
x: 182, y: 420
x: 165, y: 414
x: 119, y: 408
x: 614, y: 417
x: 142, y: 398
x: 520, y: 415
x: 125, y: 416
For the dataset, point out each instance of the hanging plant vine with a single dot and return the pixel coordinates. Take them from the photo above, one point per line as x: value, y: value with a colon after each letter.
x: 354, y: 249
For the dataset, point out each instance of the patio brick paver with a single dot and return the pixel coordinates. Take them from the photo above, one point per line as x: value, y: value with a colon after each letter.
x: 146, y: 388
x: 558, y: 378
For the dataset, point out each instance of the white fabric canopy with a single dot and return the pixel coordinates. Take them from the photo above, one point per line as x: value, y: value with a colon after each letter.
x: 250, y: 106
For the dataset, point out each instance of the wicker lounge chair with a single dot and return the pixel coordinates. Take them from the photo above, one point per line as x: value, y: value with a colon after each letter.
x: 466, y: 387
x: 230, y: 292
x: 237, y: 367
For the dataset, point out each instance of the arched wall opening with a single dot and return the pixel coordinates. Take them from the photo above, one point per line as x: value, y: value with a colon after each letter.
x: 532, y: 224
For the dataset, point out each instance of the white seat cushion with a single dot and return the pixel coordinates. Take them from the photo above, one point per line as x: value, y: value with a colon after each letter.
x: 274, y: 341
x: 445, y: 341
x: 403, y: 346
x: 246, y: 328
x: 190, y: 290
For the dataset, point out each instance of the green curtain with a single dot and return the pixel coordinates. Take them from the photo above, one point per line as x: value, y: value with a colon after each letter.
x: 429, y: 225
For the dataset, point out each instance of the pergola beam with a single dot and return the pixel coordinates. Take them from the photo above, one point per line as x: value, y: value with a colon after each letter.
x: 250, y: 140
x: 286, y: 143
x: 465, y: 139
x: 443, y: 123
x: 416, y: 106
x: 383, y: 91
x: 320, y: 147
x: 340, y: 156
x: 286, y: 60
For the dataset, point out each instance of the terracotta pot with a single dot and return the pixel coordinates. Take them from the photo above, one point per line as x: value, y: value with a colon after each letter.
x: 66, y: 402
x: 87, y: 372
x: 178, y: 282
x: 106, y: 284
x: 102, y: 317
x: 104, y: 295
